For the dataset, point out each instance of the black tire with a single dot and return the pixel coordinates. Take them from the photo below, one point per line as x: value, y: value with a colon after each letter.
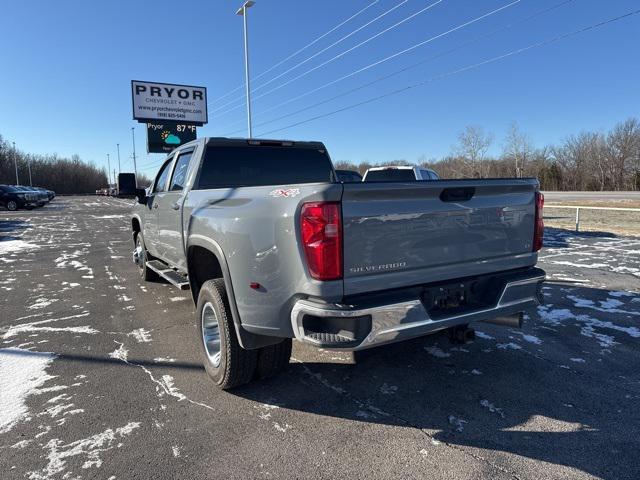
x: 234, y: 366
x: 12, y: 205
x: 273, y: 359
x: 145, y: 273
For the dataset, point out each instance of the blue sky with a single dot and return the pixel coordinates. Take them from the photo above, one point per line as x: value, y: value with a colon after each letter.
x: 67, y: 67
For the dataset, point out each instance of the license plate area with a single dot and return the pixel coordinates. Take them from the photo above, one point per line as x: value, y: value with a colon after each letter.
x: 460, y: 297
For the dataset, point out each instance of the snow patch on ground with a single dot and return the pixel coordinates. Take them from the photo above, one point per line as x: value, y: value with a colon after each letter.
x: 609, y: 305
x: 484, y: 336
x: 42, y: 303
x: 120, y: 353
x: 13, y: 246
x: 458, y: 423
x: 529, y: 338
x: 491, y: 407
x: 90, y: 448
x: 22, y: 372
x: 141, y: 335
x: 387, y: 389
x: 437, y: 352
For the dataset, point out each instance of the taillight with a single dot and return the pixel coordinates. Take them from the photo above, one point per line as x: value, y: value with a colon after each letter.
x: 321, y: 229
x: 538, y: 231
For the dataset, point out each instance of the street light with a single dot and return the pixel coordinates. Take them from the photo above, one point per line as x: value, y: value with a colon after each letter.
x: 108, y: 171
x: 15, y: 161
x: 242, y: 11
x: 135, y: 167
x: 118, y: 147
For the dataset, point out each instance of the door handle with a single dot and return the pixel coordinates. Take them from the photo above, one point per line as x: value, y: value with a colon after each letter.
x: 176, y: 206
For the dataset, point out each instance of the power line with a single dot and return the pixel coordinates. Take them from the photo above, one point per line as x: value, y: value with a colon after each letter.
x: 340, y: 40
x: 401, y: 52
x: 299, y: 50
x: 460, y: 70
x: 340, y: 55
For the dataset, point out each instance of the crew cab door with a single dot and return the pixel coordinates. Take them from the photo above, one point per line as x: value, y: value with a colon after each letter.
x: 150, y: 219
x: 170, y: 228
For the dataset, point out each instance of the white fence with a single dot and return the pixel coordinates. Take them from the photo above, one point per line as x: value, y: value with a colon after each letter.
x: 582, y: 207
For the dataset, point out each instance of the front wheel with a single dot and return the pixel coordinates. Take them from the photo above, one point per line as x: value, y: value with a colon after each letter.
x: 226, y: 362
x: 140, y: 257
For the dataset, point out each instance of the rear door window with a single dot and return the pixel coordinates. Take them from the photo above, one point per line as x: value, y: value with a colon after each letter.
x: 242, y: 166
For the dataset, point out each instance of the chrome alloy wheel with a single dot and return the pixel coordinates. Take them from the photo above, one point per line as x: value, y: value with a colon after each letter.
x: 211, y: 334
x: 138, y: 254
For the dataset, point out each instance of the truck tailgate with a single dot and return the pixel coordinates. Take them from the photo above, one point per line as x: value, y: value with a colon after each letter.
x: 402, y: 234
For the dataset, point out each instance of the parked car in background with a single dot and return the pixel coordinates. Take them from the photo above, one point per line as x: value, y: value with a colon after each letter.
x: 13, y: 198
x: 348, y: 176
x: 43, y: 197
x: 273, y: 247
x: 399, y: 173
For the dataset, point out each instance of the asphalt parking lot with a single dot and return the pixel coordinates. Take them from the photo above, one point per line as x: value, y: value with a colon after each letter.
x: 100, y: 377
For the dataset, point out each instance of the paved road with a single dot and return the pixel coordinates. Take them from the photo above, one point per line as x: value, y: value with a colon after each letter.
x: 551, y: 197
x: 122, y: 394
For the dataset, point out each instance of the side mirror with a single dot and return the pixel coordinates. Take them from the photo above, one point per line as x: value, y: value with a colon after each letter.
x: 141, y: 195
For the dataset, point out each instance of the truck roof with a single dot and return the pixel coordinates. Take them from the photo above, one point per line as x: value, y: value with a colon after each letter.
x: 261, y: 141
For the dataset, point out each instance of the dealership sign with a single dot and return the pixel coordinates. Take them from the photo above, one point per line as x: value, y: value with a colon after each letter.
x: 168, y: 102
x: 163, y: 137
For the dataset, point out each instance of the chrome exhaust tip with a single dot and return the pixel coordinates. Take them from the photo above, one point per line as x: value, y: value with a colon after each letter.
x: 513, y: 321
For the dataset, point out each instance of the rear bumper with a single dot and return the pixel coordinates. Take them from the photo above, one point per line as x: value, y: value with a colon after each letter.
x: 348, y: 327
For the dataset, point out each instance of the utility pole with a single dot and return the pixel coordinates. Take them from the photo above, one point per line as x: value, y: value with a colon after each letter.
x: 29, y: 165
x: 118, y: 146
x: 135, y: 168
x: 108, y: 171
x: 15, y: 162
x: 242, y: 11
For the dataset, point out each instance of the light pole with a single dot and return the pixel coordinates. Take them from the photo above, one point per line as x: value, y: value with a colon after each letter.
x: 29, y: 165
x: 108, y: 171
x: 15, y: 162
x: 135, y: 168
x: 118, y: 146
x: 242, y: 11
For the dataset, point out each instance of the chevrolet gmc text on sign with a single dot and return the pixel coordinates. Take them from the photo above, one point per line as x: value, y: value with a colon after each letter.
x: 165, y: 101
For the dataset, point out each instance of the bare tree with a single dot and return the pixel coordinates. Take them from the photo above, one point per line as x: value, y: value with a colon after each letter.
x: 473, y: 144
x: 517, y: 148
x: 623, y: 153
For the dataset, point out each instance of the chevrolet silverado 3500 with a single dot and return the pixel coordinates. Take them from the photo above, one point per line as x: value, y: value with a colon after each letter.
x: 274, y: 247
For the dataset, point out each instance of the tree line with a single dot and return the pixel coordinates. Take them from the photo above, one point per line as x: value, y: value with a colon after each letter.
x: 60, y: 174
x: 585, y: 161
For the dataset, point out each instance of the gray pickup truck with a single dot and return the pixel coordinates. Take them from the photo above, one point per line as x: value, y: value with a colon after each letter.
x: 274, y: 247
